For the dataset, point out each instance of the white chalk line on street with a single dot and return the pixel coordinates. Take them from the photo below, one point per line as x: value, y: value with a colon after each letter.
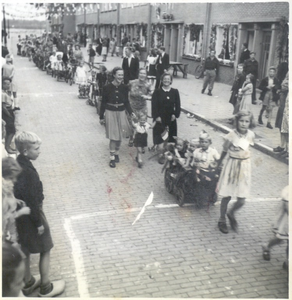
x: 46, y: 94
x: 78, y: 259
x: 134, y: 209
x: 75, y: 244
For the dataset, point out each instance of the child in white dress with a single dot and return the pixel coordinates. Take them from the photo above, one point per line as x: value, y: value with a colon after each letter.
x: 280, y: 228
x: 246, y: 91
x: 81, y: 74
x: 81, y: 80
x: 235, y: 178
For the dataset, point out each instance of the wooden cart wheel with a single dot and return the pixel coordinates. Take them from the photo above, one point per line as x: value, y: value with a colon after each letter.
x: 180, y: 197
x: 168, y: 180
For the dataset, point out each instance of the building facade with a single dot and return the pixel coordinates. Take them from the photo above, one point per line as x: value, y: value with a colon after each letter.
x: 189, y: 30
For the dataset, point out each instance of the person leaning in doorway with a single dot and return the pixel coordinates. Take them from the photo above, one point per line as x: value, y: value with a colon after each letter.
x: 210, y: 72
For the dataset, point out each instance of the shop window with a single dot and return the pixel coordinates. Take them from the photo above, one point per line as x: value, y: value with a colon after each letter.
x: 224, y: 42
x: 193, y: 40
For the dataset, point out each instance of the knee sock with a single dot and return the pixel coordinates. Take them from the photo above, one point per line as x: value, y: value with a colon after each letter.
x: 30, y: 282
x: 46, y: 289
x: 112, y: 155
x: 223, y: 209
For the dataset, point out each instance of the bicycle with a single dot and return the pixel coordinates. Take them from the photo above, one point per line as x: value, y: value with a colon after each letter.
x: 199, y: 71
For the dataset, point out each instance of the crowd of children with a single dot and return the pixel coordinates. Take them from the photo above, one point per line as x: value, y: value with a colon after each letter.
x: 25, y: 229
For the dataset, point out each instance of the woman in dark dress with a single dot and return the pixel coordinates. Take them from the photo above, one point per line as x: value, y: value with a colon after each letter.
x: 165, y: 111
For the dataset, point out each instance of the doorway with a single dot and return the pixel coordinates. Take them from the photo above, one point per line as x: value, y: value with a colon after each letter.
x: 265, y: 53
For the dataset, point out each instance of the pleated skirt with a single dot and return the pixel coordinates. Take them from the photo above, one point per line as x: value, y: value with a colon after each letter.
x: 117, y: 125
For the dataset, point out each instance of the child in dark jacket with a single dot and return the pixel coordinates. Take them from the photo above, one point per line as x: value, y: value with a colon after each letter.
x: 33, y: 230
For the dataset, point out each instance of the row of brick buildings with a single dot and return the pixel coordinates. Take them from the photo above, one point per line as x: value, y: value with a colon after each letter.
x: 189, y: 30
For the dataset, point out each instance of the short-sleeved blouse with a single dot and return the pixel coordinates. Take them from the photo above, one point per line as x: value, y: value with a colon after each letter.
x: 237, y: 145
x: 137, y: 89
x: 204, y: 158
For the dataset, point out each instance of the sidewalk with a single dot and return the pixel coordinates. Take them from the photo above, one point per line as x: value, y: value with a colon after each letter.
x: 215, y: 110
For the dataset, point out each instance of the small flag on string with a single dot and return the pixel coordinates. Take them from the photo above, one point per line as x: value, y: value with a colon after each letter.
x: 148, y: 202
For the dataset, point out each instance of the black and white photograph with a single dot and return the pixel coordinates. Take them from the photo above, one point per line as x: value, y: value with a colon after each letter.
x: 145, y: 149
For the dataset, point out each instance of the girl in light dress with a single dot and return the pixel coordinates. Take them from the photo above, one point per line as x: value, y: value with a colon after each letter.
x: 235, y: 178
x: 280, y: 228
x: 246, y: 92
x: 81, y: 77
x: 150, y: 67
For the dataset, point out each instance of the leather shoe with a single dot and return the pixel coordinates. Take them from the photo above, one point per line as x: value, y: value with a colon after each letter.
x: 112, y: 163
x: 222, y: 227
x: 209, y: 93
x: 278, y: 149
x: 117, y: 159
x: 269, y: 125
x: 203, y: 91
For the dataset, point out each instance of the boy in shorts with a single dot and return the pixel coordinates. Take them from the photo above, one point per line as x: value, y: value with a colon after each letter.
x: 33, y: 230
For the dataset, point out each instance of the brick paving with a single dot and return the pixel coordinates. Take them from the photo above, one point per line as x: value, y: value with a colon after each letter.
x: 171, y: 251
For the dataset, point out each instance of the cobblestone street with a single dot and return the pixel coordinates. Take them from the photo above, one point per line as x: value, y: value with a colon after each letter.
x: 171, y: 251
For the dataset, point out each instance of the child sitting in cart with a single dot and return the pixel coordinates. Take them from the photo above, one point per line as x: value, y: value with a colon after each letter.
x: 205, y: 161
x: 81, y: 80
x: 53, y: 60
x: 59, y: 64
x: 192, y: 146
x: 176, y: 154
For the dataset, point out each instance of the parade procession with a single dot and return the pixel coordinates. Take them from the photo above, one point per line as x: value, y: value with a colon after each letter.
x: 145, y: 150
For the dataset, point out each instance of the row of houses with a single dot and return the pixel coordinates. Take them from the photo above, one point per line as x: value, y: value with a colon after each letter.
x: 189, y: 30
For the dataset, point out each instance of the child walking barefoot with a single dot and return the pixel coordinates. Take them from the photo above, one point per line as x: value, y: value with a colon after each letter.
x: 33, y: 230
x: 235, y: 178
x: 140, y: 138
x: 281, y: 228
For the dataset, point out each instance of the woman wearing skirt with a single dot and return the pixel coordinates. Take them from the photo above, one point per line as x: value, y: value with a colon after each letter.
x: 112, y: 113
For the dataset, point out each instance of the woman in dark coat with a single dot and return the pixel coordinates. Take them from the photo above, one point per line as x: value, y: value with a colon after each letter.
x: 165, y: 111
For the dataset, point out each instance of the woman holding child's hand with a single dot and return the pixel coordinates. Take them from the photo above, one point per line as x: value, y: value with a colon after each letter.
x: 112, y: 112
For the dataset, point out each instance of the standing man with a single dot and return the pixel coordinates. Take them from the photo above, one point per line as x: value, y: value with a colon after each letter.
x: 99, y: 46
x: 91, y: 53
x: 269, y: 87
x: 211, y: 70
x: 162, y: 65
x: 245, y: 54
x: 251, y: 66
x: 130, y: 66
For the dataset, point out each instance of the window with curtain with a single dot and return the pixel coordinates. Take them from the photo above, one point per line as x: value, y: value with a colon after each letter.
x: 193, y: 40
x: 224, y: 41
